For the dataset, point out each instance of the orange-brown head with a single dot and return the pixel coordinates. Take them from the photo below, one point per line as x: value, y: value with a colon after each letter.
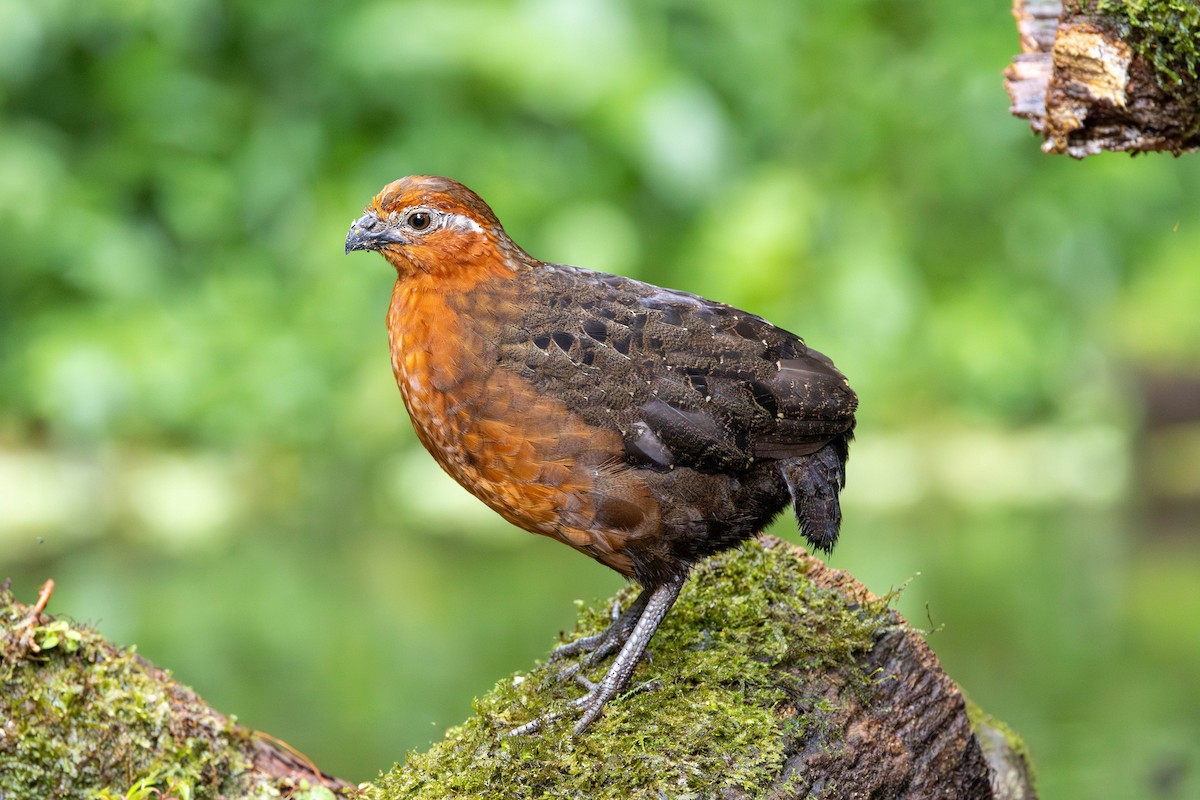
x: 425, y: 224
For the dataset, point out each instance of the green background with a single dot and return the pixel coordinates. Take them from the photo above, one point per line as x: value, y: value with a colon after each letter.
x: 201, y: 441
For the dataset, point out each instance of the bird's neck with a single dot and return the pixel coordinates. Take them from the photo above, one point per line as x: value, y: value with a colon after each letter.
x: 442, y: 331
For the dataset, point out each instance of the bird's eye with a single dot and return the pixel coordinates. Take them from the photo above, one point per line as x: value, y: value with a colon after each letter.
x: 419, y: 220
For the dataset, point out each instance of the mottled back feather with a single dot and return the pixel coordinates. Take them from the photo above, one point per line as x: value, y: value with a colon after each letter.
x: 687, y: 382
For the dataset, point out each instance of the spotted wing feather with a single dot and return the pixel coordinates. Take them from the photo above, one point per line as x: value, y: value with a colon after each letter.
x: 687, y: 382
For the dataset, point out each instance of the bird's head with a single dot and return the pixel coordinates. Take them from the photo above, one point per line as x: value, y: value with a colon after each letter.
x: 436, y: 226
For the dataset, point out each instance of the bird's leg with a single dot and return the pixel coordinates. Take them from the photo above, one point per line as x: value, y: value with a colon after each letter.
x: 657, y: 603
x: 617, y: 677
x: 599, y: 646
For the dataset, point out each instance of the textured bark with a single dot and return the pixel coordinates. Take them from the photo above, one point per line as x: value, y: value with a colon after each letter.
x: 910, y: 737
x: 1084, y: 87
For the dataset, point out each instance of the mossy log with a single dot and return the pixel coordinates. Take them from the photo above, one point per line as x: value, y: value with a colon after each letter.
x: 774, y: 676
x: 82, y: 718
x: 1097, y: 75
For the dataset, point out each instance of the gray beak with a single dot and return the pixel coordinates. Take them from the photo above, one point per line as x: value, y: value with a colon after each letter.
x: 371, y: 233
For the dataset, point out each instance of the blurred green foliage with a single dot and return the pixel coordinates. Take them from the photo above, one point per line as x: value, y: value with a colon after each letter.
x: 177, y: 178
x: 194, y: 372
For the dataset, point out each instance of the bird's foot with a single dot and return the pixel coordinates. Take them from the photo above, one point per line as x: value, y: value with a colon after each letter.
x: 535, y: 725
x: 591, y: 704
x: 599, y: 646
x: 594, y: 701
x: 631, y: 632
x: 589, y: 644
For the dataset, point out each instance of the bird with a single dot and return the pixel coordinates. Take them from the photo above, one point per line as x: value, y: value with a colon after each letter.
x: 645, y: 427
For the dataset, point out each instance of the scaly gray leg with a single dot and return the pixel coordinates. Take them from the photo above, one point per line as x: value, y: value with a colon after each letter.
x: 657, y: 603
x: 599, y: 646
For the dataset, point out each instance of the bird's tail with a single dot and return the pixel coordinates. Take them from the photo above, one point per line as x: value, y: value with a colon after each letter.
x: 814, y: 481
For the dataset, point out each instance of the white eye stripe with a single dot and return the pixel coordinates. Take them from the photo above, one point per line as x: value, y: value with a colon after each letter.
x: 434, y: 219
x: 460, y: 222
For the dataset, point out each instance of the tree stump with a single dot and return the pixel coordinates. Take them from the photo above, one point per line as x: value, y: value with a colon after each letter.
x: 774, y: 676
x: 1098, y: 75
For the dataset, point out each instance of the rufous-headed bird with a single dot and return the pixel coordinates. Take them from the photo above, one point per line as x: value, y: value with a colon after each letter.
x: 645, y: 427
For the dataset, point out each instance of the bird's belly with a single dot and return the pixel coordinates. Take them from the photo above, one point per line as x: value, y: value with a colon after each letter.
x: 529, y: 460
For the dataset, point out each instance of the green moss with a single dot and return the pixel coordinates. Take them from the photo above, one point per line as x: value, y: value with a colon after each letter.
x: 1165, y: 32
x: 79, y: 718
x: 748, y: 641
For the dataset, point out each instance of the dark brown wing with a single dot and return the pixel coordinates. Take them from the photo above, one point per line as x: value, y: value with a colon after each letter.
x: 686, y: 381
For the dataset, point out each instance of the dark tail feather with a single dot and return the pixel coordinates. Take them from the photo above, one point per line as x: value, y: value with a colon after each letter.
x: 814, y: 481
